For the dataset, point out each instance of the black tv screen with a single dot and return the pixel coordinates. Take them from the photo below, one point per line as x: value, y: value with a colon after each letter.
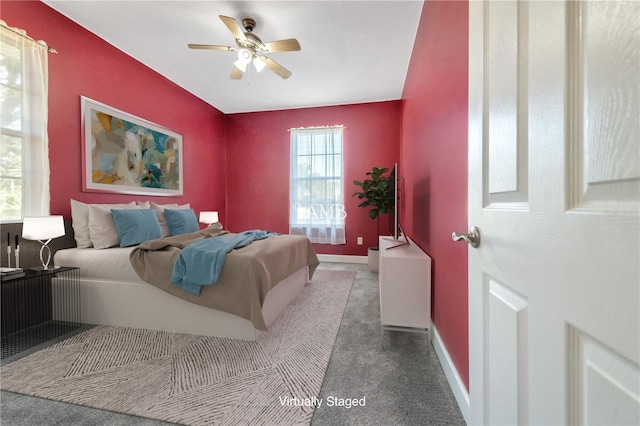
x: 394, y: 222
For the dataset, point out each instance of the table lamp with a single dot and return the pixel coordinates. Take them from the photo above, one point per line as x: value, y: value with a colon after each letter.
x: 208, y: 217
x: 43, y: 229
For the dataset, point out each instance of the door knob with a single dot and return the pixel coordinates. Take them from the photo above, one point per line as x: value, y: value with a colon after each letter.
x: 473, y: 237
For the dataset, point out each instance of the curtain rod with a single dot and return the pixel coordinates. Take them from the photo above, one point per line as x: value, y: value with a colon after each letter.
x: 337, y: 126
x: 13, y: 30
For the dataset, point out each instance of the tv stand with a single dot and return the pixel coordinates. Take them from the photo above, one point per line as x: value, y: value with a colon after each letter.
x: 402, y: 244
x: 405, y: 287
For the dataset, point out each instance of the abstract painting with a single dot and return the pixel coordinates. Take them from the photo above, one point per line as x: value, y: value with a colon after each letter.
x: 126, y: 154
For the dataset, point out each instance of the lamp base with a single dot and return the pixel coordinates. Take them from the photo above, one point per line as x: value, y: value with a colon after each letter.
x: 42, y: 268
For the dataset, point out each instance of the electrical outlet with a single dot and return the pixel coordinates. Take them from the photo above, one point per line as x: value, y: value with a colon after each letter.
x: 359, y: 241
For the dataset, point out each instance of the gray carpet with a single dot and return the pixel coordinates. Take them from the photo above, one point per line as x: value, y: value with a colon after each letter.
x: 397, y: 373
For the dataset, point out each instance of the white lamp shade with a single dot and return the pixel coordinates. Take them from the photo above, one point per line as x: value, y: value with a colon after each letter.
x: 208, y: 217
x: 42, y: 227
x: 244, y: 56
x: 240, y: 65
x: 259, y: 64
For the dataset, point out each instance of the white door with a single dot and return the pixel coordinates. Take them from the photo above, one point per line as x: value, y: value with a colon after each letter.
x: 554, y: 186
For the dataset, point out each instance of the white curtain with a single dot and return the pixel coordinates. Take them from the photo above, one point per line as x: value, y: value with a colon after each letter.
x: 316, y: 188
x: 24, y: 97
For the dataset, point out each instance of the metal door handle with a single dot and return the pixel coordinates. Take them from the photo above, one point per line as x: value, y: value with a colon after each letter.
x: 473, y: 237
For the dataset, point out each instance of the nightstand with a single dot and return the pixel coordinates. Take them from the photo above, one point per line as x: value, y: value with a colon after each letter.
x: 38, y: 307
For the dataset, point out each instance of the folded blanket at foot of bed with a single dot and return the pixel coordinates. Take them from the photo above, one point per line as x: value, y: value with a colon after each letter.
x: 245, y: 279
x: 201, y: 262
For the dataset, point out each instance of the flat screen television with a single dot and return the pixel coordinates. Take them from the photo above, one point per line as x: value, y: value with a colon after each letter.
x: 394, y: 215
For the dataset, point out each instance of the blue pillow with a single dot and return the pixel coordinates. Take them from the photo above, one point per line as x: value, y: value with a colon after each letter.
x: 136, y: 226
x: 181, y: 221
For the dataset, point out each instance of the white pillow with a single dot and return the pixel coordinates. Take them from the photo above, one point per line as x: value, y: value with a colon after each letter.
x: 162, y: 220
x: 80, y: 221
x: 102, y: 228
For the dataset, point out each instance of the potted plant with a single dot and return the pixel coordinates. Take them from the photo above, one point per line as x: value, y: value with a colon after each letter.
x: 377, y: 192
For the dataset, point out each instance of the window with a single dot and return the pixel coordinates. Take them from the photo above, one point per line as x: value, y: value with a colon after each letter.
x: 24, y: 159
x: 317, y: 187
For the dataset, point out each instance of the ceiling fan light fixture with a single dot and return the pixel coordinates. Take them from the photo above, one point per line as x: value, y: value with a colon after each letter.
x: 259, y: 64
x: 240, y: 65
x: 244, y: 56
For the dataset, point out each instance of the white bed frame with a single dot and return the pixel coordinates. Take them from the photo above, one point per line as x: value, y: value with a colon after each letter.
x: 141, y: 305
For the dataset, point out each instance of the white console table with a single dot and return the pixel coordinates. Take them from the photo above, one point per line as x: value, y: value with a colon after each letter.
x: 405, y: 286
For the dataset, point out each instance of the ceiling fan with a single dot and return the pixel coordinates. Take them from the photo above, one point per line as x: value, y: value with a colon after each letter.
x: 251, y: 49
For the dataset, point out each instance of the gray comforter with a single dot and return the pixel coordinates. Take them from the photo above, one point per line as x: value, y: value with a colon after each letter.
x: 246, y: 278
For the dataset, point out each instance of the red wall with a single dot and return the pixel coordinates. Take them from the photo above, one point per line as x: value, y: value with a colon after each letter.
x: 258, y: 149
x: 433, y: 160
x: 88, y: 66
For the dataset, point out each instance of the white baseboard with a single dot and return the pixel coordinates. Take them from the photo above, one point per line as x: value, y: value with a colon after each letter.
x: 342, y: 258
x: 451, y: 373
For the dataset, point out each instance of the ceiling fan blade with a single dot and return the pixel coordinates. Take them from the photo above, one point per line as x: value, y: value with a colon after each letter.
x: 233, y: 26
x: 276, y: 67
x: 236, y: 74
x: 288, y: 45
x: 210, y: 47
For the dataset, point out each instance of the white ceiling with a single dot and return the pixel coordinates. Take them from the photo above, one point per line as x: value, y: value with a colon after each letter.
x: 352, y: 51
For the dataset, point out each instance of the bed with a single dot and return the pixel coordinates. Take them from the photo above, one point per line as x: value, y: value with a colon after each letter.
x: 267, y: 274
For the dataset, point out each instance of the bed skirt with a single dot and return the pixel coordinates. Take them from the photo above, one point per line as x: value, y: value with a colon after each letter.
x: 141, y: 305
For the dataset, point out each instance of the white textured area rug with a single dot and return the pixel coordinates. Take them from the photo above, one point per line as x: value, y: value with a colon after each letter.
x: 196, y: 380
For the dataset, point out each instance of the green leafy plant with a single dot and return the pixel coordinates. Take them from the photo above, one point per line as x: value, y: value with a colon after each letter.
x: 377, y: 192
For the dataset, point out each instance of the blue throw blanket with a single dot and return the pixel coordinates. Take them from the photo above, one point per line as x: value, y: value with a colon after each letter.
x: 201, y: 262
